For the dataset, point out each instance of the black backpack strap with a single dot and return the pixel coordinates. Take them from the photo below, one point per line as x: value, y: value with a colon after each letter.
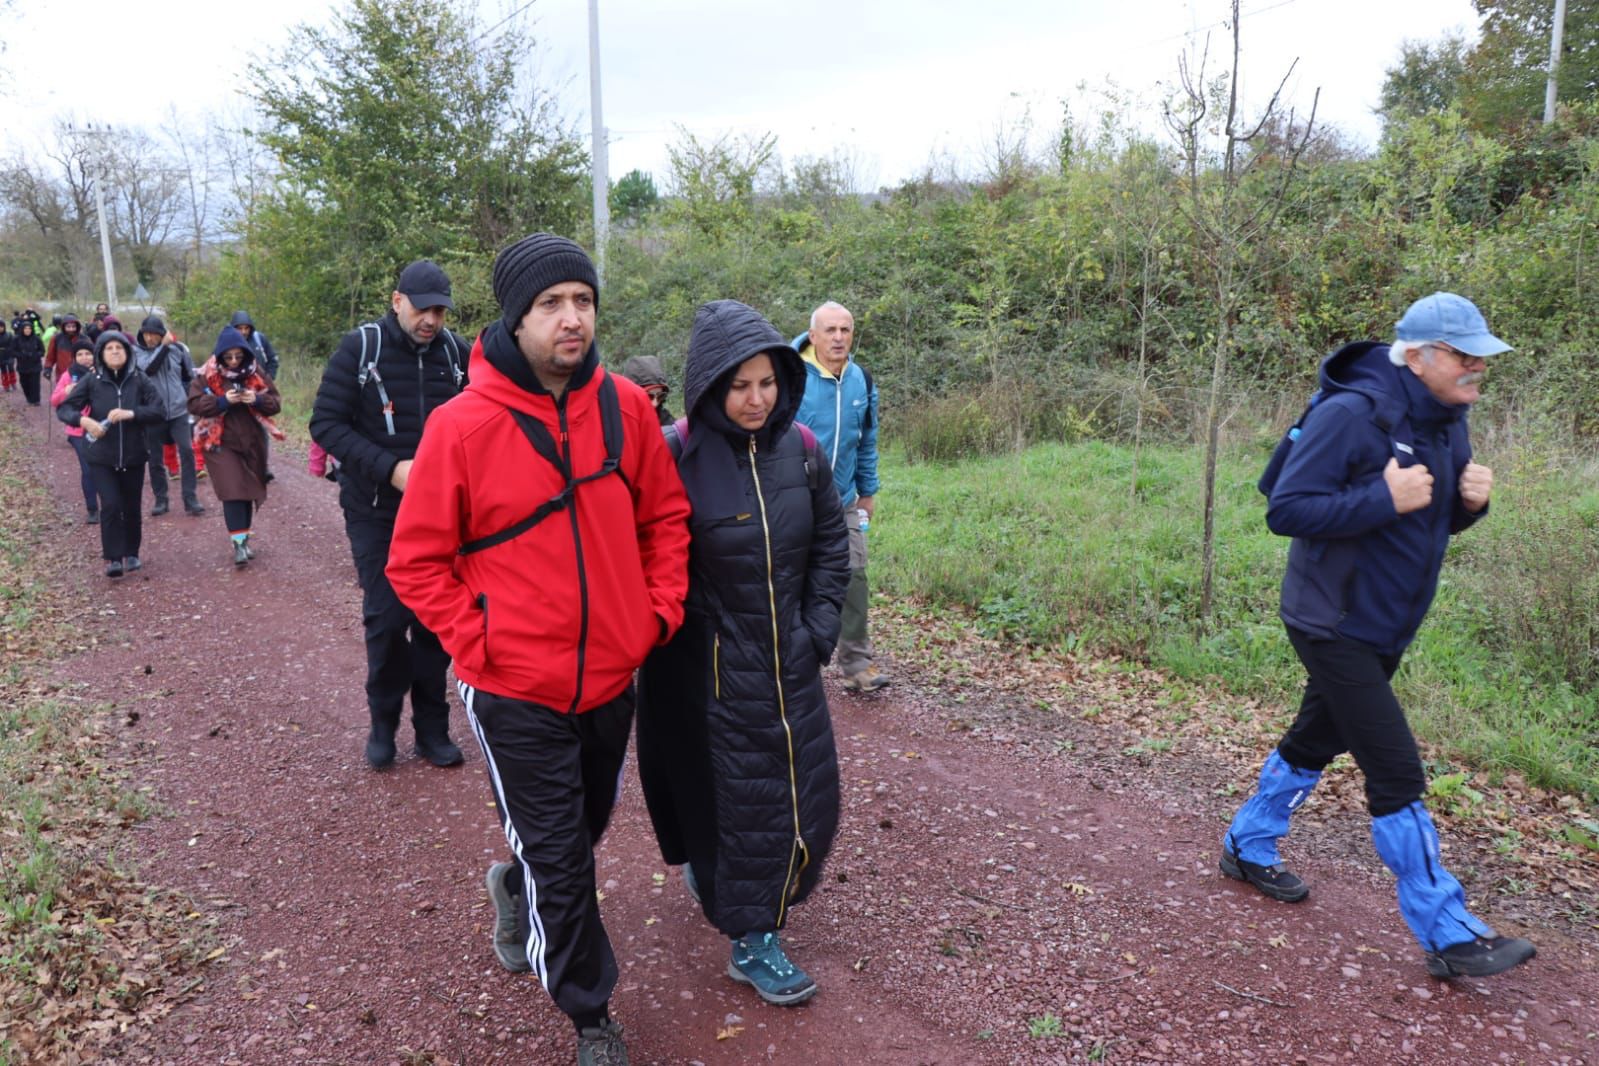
x: 611, y: 426
x: 544, y: 444
x: 871, y: 408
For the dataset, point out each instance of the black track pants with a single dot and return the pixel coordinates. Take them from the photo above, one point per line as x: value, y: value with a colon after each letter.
x: 556, y: 777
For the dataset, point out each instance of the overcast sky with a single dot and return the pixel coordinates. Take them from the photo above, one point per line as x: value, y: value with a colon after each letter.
x: 891, y: 83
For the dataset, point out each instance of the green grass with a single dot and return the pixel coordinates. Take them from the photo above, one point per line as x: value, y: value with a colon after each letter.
x: 1051, y: 547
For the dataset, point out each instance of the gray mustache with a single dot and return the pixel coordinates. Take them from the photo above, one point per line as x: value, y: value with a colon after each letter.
x: 1469, y: 379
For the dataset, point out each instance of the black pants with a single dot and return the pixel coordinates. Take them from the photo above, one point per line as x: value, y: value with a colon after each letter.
x: 402, y: 655
x: 121, y: 524
x: 237, y: 514
x: 556, y: 777
x: 30, y: 385
x: 1350, y: 706
x: 176, y: 432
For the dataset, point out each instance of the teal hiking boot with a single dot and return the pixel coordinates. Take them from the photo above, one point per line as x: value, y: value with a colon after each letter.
x: 759, y: 962
x: 510, y: 929
x: 690, y: 883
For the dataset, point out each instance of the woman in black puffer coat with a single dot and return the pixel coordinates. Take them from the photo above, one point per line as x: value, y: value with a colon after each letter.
x: 735, y: 743
x: 29, y: 352
x: 113, y: 405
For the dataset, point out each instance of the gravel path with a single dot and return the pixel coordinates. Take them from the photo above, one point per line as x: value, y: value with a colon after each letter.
x: 1008, y: 886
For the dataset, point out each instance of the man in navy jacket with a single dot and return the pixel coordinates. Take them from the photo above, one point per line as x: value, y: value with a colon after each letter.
x: 1377, y: 480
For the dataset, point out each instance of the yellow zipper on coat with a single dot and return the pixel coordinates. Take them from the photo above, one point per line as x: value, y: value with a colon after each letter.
x: 791, y: 881
x: 716, y: 663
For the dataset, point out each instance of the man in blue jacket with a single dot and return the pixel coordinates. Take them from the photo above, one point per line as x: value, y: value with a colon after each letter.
x: 840, y: 407
x: 1377, y: 480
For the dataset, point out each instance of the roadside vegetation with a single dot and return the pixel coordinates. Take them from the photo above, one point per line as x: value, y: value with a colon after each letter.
x: 1051, y: 547
x: 86, y: 948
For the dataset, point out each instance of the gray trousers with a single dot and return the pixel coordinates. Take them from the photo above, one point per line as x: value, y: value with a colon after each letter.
x: 175, y: 431
x: 854, y: 646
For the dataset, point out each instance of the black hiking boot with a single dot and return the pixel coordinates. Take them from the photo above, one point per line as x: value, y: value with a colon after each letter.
x: 380, y: 745
x: 1482, y: 957
x: 1274, y: 881
x: 161, y: 507
x: 439, y: 750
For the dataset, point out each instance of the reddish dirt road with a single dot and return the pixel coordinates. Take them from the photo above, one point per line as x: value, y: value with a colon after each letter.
x: 1016, y: 889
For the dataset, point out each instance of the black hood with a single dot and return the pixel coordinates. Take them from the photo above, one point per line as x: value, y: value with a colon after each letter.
x: 725, y: 334
x: 241, y: 318
x: 1394, y: 391
x: 106, y: 337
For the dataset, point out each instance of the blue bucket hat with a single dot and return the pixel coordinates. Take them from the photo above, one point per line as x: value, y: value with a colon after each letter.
x: 1452, y: 319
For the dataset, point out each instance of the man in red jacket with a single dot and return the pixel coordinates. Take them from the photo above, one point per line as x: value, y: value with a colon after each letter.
x: 543, y: 536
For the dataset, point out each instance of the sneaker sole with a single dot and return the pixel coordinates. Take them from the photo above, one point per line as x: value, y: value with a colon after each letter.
x: 1230, y: 867
x: 1440, y: 967
x: 515, y: 963
x: 783, y: 999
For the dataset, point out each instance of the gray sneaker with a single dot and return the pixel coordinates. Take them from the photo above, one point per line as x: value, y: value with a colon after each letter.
x: 510, y: 928
x: 601, y: 1045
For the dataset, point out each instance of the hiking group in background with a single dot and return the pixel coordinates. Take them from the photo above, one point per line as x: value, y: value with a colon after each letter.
x: 103, y: 379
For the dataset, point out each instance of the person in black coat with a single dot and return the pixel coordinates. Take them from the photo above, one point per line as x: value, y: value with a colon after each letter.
x: 29, y: 352
x: 8, y: 357
x: 117, y: 455
x: 735, y: 742
x: 378, y: 389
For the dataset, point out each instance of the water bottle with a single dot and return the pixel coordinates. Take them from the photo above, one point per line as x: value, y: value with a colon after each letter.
x: 866, y: 519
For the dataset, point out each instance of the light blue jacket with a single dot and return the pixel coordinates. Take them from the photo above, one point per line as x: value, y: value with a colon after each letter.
x: 843, y: 415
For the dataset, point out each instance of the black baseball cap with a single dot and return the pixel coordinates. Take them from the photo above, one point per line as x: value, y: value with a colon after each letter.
x: 426, y: 285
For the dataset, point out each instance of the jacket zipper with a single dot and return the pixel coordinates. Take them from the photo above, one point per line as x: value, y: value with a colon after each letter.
x: 838, y: 414
x: 120, y: 460
x: 716, y: 664
x: 799, y: 852
x: 577, y: 545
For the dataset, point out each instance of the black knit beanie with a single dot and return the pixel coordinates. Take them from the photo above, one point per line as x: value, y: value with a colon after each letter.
x: 532, y: 265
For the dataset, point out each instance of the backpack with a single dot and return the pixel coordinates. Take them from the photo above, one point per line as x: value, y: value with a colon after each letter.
x: 366, y: 368
x: 1393, y: 429
x: 677, y: 436
x: 544, y: 445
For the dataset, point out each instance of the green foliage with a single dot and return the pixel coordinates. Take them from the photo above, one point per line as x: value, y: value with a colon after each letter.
x: 632, y: 195
x: 1427, y: 78
x: 399, y: 135
x: 1504, y: 80
x: 1042, y: 547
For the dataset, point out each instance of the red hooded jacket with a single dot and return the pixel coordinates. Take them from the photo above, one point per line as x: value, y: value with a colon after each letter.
x: 559, y: 616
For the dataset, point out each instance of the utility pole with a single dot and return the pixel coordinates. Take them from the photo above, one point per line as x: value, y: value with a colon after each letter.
x: 1555, y: 37
x: 601, y: 164
x: 94, y: 161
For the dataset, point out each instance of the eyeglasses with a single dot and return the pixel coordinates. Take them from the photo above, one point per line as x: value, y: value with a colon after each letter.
x: 232, y: 357
x: 1460, y: 356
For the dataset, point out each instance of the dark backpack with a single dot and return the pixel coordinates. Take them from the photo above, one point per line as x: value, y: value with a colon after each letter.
x: 544, y: 444
x: 677, y: 436
x: 1394, y: 430
x: 366, y: 367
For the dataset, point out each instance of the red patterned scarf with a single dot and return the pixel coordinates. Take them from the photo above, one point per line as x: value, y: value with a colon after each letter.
x: 208, y: 430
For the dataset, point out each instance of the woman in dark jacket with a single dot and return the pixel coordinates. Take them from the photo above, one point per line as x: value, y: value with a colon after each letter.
x: 29, y: 352
x: 735, y: 743
x: 82, y: 367
x: 233, y: 400
x: 117, y: 451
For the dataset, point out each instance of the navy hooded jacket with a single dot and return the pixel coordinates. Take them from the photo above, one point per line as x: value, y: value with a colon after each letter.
x: 1358, y: 569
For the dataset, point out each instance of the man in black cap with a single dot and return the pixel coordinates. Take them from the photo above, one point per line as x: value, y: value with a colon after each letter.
x: 380, y: 386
